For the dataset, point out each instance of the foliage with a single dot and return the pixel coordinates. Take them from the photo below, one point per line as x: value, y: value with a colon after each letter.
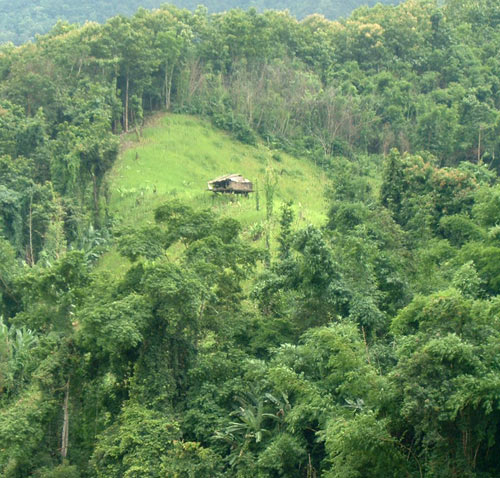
x: 22, y: 24
x: 360, y: 338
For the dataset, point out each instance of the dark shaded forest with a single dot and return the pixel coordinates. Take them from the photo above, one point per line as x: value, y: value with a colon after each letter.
x: 366, y: 347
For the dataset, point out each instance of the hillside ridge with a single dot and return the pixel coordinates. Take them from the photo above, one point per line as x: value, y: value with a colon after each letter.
x: 21, y: 21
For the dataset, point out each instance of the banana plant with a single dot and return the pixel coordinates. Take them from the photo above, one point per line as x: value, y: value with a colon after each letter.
x: 15, y: 357
x: 255, y: 419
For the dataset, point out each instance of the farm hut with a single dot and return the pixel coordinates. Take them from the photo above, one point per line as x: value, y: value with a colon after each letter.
x: 231, y: 183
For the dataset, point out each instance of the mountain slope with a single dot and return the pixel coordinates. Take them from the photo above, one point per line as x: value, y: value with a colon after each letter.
x: 178, y: 154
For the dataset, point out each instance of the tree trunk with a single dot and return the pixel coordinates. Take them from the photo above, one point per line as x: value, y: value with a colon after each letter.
x: 257, y: 198
x: 167, y: 99
x: 31, y: 258
x: 170, y: 80
x: 65, y: 430
x: 479, y: 147
x: 95, y: 187
x: 168, y: 85
x: 125, y: 113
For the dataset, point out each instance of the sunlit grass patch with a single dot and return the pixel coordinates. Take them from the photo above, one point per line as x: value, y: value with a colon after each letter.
x: 178, y: 154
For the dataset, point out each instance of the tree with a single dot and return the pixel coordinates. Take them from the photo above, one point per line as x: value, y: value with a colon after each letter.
x: 135, y: 444
x: 441, y: 350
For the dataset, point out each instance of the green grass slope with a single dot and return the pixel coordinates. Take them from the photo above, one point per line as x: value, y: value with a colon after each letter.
x: 178, y: 154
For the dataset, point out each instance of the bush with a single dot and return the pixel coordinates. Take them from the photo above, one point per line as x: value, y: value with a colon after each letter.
x: 60, y: 471
x: 459, y: 229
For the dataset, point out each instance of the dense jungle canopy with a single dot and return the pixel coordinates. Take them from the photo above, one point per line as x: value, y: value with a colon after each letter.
x: 20, y: 21
x: 193, y: 344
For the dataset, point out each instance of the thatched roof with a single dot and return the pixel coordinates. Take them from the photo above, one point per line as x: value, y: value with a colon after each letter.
x: 237, y: 178
x: 231, y: 183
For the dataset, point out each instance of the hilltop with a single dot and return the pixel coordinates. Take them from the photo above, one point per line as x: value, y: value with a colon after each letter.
x: 21, y: 21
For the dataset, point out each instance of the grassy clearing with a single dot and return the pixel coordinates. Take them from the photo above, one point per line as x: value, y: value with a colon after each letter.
x: 176, y: 157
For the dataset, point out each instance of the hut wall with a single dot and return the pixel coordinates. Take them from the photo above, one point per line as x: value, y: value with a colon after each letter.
x: 237, y: 186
